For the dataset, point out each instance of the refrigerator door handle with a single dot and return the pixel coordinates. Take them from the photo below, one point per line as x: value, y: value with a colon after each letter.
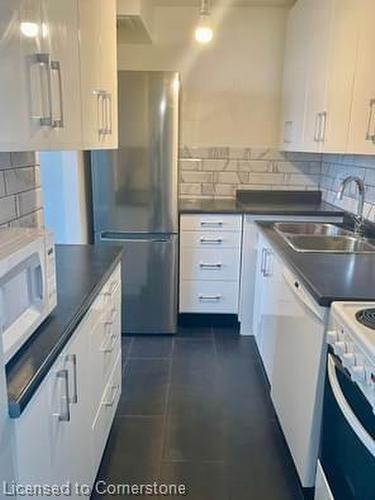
x: 121, y: 237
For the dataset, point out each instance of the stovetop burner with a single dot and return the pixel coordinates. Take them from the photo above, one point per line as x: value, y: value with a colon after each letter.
x: 366, y: 317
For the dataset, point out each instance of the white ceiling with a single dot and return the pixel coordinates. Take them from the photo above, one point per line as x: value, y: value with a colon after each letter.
x: 244, y: 3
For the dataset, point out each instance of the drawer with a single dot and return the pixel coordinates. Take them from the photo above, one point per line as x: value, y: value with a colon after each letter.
x: 210, y: 239
x: 108, y: 293
x: 210, y: 264
x: 210, y: 222
x: 105, y: 346
x: 103, y: 420
x: 219, y: 297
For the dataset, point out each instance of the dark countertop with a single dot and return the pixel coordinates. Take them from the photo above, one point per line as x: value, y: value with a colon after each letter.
x: 328, y: 277
x: 307, y: 203
x: 81, y: 272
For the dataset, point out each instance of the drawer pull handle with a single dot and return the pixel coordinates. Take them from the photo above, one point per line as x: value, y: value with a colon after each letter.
x: 204, y: 265
x: 211, y: 241
x: 107, y: 349
x: 112, y: 317
x: 115, y: 389
x: 112, y: 288
x: 212, y: 223
x: 210, y: 297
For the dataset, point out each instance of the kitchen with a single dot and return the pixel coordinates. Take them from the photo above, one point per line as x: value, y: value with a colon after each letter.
x: 187, y: 249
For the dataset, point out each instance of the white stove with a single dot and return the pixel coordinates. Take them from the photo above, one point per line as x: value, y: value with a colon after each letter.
x: 346, y: 465
x: 352, y: 337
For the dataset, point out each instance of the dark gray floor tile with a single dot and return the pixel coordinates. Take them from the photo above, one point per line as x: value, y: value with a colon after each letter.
x: 236, y: 347
x: 194, y: 348
x: 193, y: 438
x: 145, y: 387
x: 200, y: 398
x: 133, y: 450
x: 189, y: 332
x: 203, y: 481
x: 151, y: 347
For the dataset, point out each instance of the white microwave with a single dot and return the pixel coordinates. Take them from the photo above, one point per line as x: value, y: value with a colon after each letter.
x: 27, y: 284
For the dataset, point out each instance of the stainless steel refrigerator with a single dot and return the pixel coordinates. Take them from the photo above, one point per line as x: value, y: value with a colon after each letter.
x: 135, y: 199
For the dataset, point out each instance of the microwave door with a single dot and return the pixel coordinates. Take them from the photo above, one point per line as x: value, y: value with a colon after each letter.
x: 22, y: 294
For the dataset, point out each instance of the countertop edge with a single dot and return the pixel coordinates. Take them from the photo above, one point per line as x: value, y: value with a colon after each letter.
x: 16, y: 407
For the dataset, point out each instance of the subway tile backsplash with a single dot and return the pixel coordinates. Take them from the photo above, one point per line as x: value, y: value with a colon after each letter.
x: 220, y: 171
x: 209, y: 172
x: 335, y: 168
x: 21, y: 200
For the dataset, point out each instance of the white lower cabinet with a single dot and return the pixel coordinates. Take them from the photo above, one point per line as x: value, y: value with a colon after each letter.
x: 249, y: 272
x: 61, y: 435
x: 210, y: 258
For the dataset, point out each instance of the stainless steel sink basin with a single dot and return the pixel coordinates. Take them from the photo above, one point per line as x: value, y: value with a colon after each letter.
x: 330, y: 244
x: 311, y: 228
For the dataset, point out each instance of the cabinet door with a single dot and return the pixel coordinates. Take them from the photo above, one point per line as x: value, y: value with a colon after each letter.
x: 295, y: 79
x: 98, y: 73
x: 60, y: 41
x: 362, y: 126
x: 69, y: 412
x: 259, y: 296
x: 23, y: 83
x: 342, y: 61
x: 32, y: 440
x: 320, y: 14
x: 108, y: 71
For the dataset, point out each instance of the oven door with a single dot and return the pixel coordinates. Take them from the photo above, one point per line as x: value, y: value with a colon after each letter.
x: 348, y: 448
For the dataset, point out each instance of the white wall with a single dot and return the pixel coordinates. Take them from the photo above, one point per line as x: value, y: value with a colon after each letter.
x: 64, y: 192
x: 231, y: 88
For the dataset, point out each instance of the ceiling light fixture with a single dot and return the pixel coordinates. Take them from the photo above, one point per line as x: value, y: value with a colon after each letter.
x: 204, y: 32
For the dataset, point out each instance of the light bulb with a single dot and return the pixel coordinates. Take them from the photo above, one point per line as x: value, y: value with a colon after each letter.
x: 31, y: 30
x: 204, y: 34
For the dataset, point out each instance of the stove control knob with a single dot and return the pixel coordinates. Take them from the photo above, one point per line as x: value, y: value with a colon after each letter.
x: 358, y: 373
x: 340, y: 347
x: 332, y: 336
x: 348, y: 359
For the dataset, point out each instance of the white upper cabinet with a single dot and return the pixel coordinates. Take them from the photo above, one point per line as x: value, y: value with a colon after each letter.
x: 362, y: 125
x: 330, y: 116
x: 45, y: 54
x: 317, y: 47
x: 340, y: 76
x: 99, y: 73
x: 294, y: 80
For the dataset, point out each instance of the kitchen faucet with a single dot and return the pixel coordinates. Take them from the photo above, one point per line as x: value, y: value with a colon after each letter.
x: 358, y: 219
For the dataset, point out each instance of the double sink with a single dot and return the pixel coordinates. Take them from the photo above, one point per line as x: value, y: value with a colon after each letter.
x: 323, y: 238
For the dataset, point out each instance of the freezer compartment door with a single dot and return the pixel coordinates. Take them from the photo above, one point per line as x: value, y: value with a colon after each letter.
x: 149, y: 293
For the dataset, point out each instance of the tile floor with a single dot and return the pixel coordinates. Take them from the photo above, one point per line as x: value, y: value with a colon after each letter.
x: 195, y: 409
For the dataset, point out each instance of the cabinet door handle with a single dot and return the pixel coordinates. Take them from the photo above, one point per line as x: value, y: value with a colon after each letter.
x: 210, y: 297
x: 267, y: 266
x: 108, y: 99
x: 323, y: 128
x: 262, y: 262
x: 44, y: 60
x: 115, y: 389
x: 56, y: 66
x: 100, y: 96
x: 369, y: 135
x: 210, y: 241
x: 317, y: 127
x: 72, y: 358
x: 204, y: 265
x: 65, y: 415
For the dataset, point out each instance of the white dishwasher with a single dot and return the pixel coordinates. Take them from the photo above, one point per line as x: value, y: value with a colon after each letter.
x: 298, y: 374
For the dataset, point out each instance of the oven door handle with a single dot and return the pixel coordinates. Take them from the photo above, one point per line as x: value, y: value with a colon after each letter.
x: 346, y: 410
